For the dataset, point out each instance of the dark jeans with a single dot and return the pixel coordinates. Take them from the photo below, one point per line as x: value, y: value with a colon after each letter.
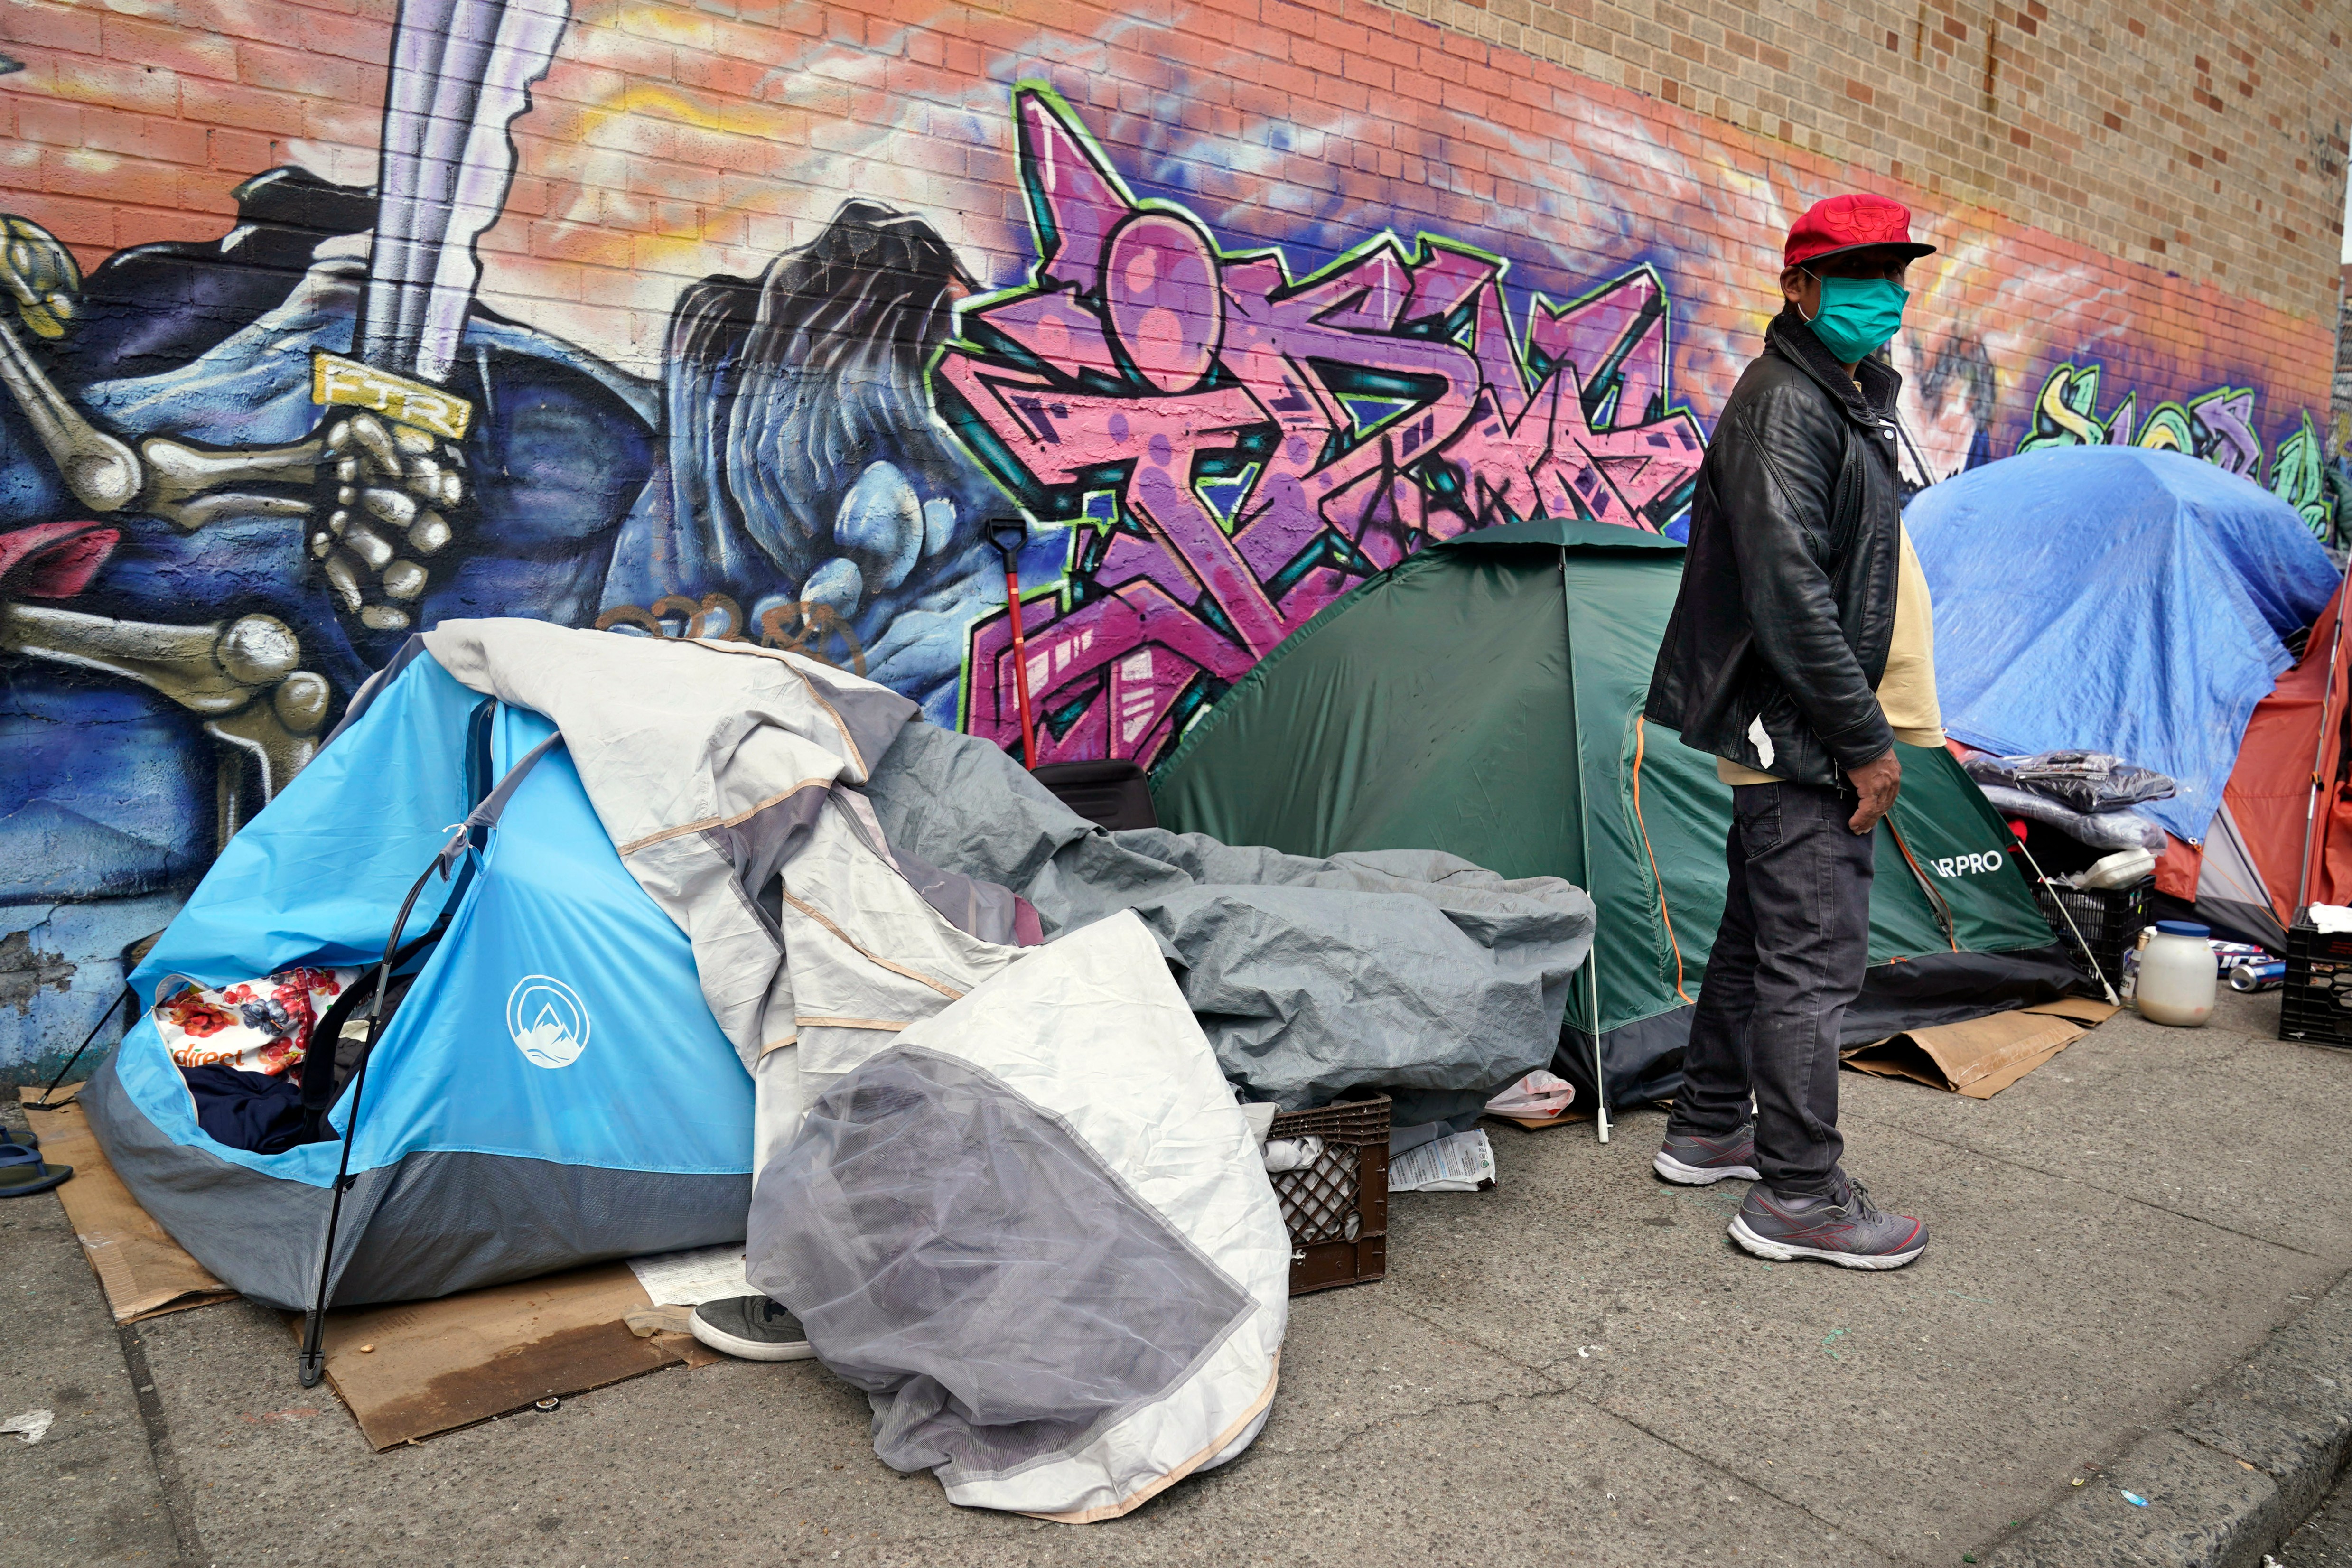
x: 1788, y: 960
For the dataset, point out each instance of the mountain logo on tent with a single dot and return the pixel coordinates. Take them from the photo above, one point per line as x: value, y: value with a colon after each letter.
x: 549, y: 1024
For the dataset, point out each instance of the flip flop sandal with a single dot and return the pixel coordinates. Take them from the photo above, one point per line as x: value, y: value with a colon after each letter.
x: 23, y: 1172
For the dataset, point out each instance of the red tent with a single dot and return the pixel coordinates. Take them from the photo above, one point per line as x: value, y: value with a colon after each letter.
x: 2250, y: 875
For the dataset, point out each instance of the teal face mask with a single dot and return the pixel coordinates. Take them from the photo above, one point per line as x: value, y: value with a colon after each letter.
x: 1858, y: 315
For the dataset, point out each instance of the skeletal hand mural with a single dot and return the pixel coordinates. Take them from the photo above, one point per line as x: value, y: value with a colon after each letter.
x: 807, y: 497
x: 239, y: 676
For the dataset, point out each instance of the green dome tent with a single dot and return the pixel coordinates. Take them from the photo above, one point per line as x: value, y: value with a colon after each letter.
x: 1485, y: 698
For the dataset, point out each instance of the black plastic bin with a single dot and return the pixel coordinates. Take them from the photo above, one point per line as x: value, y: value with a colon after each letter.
x: 1113, y: 794
x: 1336, y: 1209
x: 2110, y: 919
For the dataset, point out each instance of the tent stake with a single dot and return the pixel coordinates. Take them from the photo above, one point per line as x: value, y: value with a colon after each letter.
x: 2318, y: 755
x: 1600, y: 1085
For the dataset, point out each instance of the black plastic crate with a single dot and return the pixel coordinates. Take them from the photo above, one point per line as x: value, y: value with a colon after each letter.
x: 2315, y: 1004
x: 2110, y: 919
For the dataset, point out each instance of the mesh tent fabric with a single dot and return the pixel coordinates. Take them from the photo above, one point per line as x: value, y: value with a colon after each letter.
x: 957, y: 1248
x: 1037, y: 1231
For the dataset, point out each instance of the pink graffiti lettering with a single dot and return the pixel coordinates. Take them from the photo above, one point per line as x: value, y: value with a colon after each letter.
x: 1240, y: 447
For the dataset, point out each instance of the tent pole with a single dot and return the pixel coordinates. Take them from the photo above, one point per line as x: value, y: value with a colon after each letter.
x: 312, y: 1363
x: 2052, y: 889
x: 2318, y: 755
x: 1584, y: 832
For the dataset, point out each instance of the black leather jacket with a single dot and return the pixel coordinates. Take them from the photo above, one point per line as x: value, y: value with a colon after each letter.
x: 1778, y: 637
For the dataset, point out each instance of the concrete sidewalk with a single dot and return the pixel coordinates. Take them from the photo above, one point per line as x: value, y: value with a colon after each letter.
x: 1575, y: 1368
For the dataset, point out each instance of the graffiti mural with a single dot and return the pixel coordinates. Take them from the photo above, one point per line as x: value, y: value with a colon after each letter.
x: 674, y: 323
x: 1237, y: 448
x: 2216, y: 426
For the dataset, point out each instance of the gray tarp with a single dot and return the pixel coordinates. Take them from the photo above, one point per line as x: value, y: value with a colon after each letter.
x: 1407, y: 969
x: 716, y: 766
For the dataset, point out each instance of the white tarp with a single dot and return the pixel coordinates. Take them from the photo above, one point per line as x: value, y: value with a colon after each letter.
x: 1037, y: 1232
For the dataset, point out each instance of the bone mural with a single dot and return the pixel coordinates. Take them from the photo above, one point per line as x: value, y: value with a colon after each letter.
x: 1237, y: 448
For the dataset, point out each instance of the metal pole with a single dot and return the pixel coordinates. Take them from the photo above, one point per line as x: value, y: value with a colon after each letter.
x: 1584, y: 831
x: 48, y: 1094
x: 2068, y: 916
x: 312, y: 1364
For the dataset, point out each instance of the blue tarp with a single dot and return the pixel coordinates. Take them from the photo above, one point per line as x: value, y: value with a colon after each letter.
x: 2116, y: 599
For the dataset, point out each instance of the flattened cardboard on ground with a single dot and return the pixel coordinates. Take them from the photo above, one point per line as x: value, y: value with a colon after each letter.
x: 142, y: 1271
x: 441, y: 1364
x: 1982, y: 1057
x: 436, y: 1365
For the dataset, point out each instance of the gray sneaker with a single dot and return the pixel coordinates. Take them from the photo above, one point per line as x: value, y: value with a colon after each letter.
x: 1846, y: 1228
x: 754, y: 1328
x: 1691, y: 1160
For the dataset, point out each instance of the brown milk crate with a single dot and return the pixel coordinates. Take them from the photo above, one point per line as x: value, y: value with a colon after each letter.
x: 1336, y: 1209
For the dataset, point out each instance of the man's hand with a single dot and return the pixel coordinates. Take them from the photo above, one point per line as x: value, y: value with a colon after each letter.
x: 1877, y: 783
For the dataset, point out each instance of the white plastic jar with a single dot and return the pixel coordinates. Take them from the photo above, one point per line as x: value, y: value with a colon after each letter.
x: 2177, y: 975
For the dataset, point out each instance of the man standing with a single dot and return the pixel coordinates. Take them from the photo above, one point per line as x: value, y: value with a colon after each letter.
x: 1799, y: 650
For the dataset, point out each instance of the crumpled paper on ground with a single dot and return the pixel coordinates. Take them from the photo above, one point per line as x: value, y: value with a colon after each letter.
x: 32, y: 1426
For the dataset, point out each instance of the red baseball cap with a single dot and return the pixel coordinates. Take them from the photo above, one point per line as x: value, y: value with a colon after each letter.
x: 1856, y: 222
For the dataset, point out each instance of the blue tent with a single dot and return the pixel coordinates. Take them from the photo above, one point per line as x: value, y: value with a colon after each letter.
x: 552, y: 1092
x: 2118, y: 599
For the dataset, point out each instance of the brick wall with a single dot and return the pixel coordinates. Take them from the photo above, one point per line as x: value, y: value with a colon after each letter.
x: 2207, y: 140
x: 1235, y: 302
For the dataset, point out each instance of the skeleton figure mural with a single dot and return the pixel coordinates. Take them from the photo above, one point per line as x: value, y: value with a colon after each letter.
x: 236, y: 475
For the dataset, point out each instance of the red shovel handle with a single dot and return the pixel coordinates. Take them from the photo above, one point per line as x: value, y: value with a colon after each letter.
x: 1008, y: 534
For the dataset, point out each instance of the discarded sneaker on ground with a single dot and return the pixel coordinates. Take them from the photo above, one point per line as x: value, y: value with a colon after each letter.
x: 1691, y: 1160
x: 1845, y: 1228
x: 752, y: 1328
